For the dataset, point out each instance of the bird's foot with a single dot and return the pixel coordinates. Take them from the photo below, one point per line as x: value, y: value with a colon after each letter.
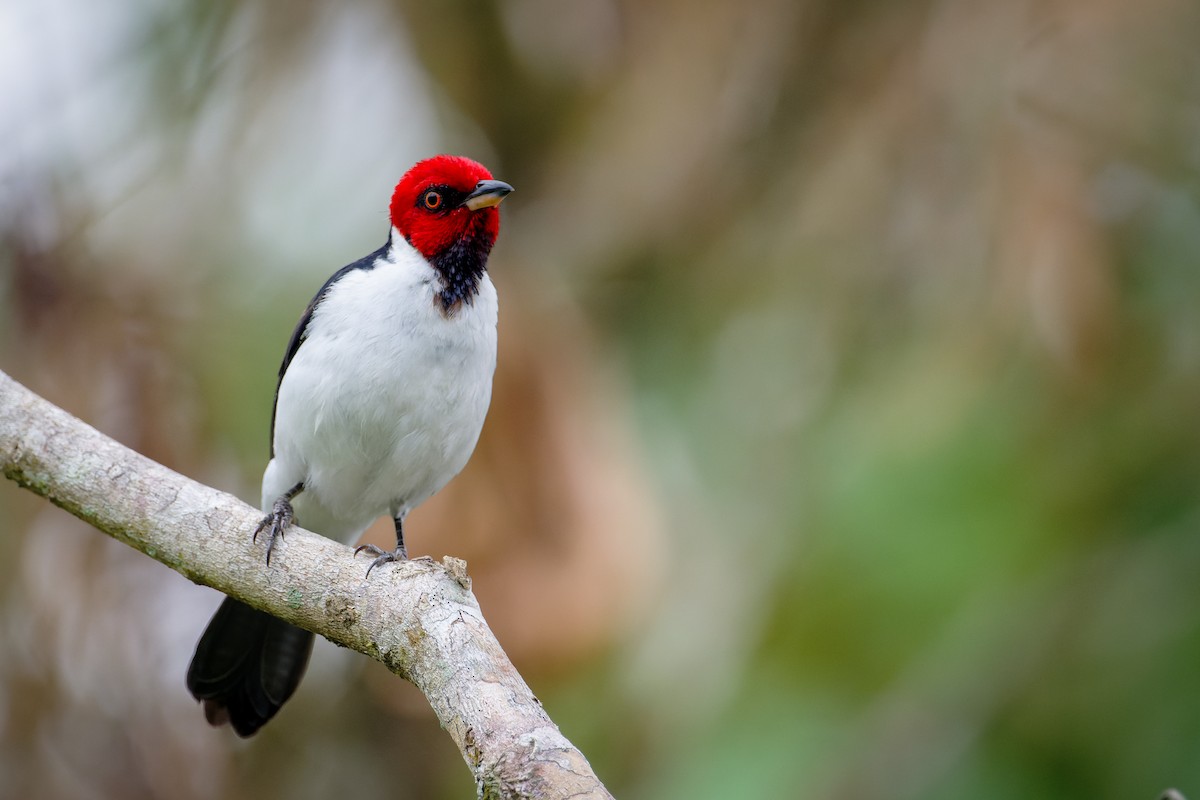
x: 276, y: 524
x: 382, y: 556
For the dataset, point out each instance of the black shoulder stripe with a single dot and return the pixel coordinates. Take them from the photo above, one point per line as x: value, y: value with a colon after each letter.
x: 300, y: 333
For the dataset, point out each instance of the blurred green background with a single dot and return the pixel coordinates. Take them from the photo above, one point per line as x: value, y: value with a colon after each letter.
x: 844, y: 442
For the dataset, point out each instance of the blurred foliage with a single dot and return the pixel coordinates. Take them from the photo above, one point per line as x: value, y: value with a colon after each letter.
x: 844, y: 435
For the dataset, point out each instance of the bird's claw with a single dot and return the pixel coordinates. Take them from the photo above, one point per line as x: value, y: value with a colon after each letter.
x: 277, y: 523
x: 382, y: 556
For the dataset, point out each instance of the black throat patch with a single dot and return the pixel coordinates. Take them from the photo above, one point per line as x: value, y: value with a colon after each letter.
x: 461, y: 265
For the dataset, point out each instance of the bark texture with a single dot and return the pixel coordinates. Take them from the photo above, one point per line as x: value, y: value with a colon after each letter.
x: 419, y: 618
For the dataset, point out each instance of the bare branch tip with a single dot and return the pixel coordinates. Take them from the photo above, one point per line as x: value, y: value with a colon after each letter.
x: 457, y: 568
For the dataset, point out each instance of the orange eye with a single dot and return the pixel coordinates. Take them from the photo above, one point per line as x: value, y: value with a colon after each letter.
x: 432, y: 200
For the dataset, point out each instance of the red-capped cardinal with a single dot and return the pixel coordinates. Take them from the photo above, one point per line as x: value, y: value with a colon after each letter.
x: 380, y: 400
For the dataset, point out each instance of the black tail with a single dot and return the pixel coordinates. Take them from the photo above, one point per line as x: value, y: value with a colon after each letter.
x: 246, y: 666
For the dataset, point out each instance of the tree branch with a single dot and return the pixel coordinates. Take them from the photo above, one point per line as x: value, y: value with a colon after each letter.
x: 420, y: 618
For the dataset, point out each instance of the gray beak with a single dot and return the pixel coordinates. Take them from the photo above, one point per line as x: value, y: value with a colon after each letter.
x: 487, y: 193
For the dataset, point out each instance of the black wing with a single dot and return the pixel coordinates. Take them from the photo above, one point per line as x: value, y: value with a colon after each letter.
x: 301, y: 331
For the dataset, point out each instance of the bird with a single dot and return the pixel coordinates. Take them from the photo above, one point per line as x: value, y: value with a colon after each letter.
x: 380, y: 400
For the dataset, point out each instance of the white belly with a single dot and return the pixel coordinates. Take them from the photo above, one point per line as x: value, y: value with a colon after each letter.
x: 384, y: 401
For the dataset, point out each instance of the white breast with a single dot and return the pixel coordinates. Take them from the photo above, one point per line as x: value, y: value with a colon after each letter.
x: 383, y: 402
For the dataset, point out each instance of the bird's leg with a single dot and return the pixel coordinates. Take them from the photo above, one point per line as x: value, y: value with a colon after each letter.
x: 280, y: 518
x: 384, y: 556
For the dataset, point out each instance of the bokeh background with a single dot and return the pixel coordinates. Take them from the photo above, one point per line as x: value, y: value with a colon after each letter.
x: 844, y: 441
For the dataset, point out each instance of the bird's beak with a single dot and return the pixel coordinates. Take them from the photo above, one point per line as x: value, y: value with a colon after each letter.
x: 487, y: 193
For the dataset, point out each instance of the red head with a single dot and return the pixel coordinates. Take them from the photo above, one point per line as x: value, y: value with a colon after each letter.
x: 448, y: 200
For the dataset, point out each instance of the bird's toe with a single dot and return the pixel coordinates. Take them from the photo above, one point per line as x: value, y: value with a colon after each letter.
x: 275, y: 524
x: 382, y: 556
